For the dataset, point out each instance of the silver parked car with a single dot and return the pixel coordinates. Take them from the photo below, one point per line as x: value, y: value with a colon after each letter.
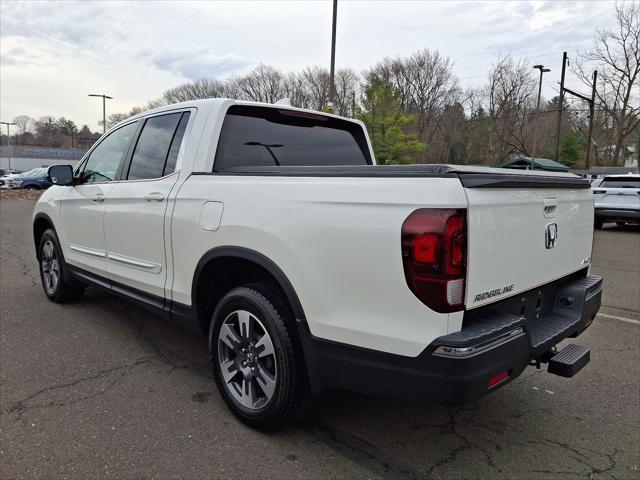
x: 617, y: 199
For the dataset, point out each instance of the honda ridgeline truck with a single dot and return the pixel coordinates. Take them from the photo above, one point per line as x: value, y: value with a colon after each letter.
x: 272, y: 231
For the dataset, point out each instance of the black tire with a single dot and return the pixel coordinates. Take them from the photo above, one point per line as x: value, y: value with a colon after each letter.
x: 597, y: 224
x: 620, y: 224
x: 32, y: 187
x: 291, y: 397
x: 65, y: 288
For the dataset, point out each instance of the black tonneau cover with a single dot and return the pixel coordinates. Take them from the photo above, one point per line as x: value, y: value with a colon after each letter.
x: 470, y: 176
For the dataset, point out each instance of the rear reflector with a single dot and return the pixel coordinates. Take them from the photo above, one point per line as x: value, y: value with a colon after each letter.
x: 496, y: 379
x: 455, y: 291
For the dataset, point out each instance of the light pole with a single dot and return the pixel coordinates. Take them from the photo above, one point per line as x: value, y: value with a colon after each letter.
x: 104, y: 109
x: 8, y: 124
x: 542, y: 71
x: 332, y: 88
x: 535, y: 144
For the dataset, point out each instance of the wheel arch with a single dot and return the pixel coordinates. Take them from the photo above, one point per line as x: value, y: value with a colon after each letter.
x: 215, y: 267
x: 41, y: 222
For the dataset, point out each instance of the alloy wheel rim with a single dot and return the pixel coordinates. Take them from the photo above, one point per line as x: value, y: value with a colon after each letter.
x: 247, y: 360
x: 50, y: 267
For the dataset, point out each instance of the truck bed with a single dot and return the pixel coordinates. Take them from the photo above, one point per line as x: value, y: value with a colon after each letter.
x: 470, y: 176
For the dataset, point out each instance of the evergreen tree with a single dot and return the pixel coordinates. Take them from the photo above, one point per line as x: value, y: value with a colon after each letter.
x: 386, y: 124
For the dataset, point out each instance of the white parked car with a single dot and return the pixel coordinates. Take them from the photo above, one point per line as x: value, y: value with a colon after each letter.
x: 617, y: 199
x: 7, y: 176
x: 272, y: 231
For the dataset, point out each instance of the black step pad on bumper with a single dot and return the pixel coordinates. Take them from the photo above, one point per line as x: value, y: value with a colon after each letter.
x: 569, y: 361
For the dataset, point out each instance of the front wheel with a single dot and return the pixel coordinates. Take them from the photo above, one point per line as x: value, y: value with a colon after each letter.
x: 53, y: 270
x: 256, y: 358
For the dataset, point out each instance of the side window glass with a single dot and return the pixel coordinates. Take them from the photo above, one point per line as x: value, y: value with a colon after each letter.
x: 151, y: 152
x: 105, y: 159
x: 175, y: 145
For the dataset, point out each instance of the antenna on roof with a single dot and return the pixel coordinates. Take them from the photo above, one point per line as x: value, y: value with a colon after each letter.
x: 284, y: 101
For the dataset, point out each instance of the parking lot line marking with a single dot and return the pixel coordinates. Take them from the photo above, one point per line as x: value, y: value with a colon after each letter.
x: 622, y: 319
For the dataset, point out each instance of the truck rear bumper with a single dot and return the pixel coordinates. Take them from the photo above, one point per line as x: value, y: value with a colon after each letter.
x: 614, y: 214
x: 495, y: 345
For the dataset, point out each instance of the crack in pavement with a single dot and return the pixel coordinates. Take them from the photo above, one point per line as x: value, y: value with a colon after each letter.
x: 21, y: 406
x: 581, y: 458
x: 450, y: 427
x: 360, y: 451
x: 386, y: 465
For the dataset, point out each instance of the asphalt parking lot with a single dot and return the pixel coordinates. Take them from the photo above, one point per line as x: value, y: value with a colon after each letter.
x: 102, y: 389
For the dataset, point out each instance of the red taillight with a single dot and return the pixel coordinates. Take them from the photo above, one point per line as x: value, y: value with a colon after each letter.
x: 434, y: 254
x: 426, y: 247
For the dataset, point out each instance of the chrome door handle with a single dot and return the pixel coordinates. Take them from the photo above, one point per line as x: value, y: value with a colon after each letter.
x: 99, y: 198
x: 154, y: 197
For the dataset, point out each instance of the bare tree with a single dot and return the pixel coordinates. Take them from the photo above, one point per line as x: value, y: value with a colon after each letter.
x: 263, y: 84
x: 616, y: 56
x: 510, y: 99
x: 199, y: 89
x: 346, y: 82
x: 316, y: 83
x: 24, y: 125
x: 425, y: 84
x: 295, y: 89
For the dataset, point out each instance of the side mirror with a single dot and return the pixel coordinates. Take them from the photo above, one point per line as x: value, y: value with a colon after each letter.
x: 60, y: 174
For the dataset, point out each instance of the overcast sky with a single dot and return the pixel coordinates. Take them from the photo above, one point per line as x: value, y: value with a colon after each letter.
x: 53, y: 54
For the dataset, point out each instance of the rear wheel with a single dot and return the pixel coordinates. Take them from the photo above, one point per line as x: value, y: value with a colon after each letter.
x: 53, y: 271
x: 256, y: 357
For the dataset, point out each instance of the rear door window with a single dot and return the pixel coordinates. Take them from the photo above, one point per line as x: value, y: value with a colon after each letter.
x: 262, y: 136
x: 157, y: 148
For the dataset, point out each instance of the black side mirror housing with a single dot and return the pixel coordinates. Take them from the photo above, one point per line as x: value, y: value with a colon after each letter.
x: 60, y: 175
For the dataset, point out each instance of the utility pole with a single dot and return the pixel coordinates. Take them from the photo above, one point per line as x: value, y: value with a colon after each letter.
x: 564, y: 66
x: 590, y: 100
x: 104, y: 109
x: 535, y: 145
x: 332, y: 88
x: 592, y: 109
x: 9, y: 152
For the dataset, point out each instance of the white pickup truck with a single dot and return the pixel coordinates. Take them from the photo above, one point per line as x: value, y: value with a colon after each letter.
x: 272, y: 231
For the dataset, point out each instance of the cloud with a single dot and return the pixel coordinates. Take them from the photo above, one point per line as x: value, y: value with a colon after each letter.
x: 197, y: 63
x: 50, y: 51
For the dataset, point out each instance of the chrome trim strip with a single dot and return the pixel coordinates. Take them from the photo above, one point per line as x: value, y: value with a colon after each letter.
x: 447, y: 351
x: 134, y: 262
x: 92, y: 252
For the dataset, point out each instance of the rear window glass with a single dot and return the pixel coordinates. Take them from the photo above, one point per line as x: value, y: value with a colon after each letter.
x: 259, y: 136
x: 621, y: 182
x: 151, y: 152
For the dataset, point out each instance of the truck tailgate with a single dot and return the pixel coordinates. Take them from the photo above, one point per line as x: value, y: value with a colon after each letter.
x: 520, y: 238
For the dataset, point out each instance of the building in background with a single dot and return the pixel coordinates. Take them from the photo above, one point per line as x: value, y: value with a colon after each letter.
x: 527, y: 163
x: 25, y: 158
